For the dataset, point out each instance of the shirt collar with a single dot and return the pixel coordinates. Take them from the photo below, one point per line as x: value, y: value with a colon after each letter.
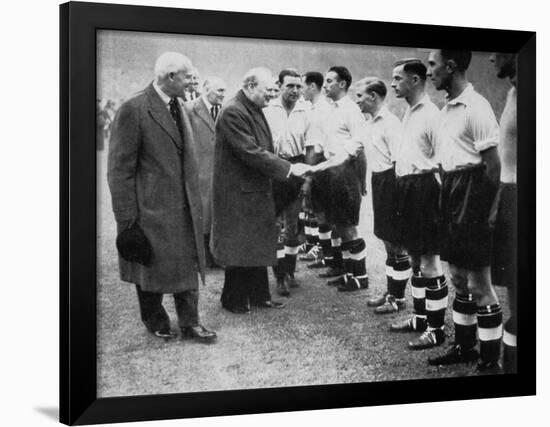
x: 464, y: 98
x: 205, y: 100
x: 381, y: 113
x: 342, y: 101
x: 165, y: 98
x: 299, y: 106
x: 423, y: 101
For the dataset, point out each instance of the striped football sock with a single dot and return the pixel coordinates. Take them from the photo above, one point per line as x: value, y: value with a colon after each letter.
x: 509, y: 340
x: 401, y: 275
x: 419, y: 296
x: 437, y: 298
x: 489, y: 323
x: 336, y: 244
x: 465, y: 320
x: 292, y: 247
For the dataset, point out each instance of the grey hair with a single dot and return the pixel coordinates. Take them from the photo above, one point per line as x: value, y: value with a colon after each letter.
x: 254, y: 75
x: 171, y: 62
x: 212, y: 81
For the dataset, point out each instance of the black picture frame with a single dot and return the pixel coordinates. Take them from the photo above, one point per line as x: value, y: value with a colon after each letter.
x: 78, y: 384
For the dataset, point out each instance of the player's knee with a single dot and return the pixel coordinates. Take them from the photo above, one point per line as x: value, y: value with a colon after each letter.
x: 460, y: 282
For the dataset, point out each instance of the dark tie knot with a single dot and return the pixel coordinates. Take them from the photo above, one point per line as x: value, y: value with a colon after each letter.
x: 214, y: 110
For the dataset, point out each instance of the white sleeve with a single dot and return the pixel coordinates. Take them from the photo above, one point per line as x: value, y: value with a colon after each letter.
x: 484, y: 127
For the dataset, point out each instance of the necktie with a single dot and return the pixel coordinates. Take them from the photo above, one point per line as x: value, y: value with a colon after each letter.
x: 214, y: 111
x: 175, y: 112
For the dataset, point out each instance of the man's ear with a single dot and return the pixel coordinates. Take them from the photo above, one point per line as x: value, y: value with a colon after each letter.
x: 451, y: 65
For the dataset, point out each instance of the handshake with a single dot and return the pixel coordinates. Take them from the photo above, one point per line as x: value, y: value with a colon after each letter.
x: 301, y: 170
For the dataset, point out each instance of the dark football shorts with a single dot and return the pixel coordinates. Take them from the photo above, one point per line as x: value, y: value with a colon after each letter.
x: 417, y: 211
x: 467, y: 197
x: 337, y: 192
x: 384, y: 204
x: 504, y: 266
x: 286, y: 192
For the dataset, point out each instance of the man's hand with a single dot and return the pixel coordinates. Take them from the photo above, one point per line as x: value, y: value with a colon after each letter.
x: 300, y: 169
x: 492, y: 162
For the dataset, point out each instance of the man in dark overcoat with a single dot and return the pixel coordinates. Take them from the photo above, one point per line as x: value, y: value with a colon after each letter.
x: 244, y: 231
x: 202, y: 113
x: 153, y: 178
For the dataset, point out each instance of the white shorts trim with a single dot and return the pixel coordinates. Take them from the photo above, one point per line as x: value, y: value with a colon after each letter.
x: 280, y: 253
x: 389, y: 271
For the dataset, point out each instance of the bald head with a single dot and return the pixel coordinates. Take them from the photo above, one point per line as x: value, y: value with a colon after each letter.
x: 214, y: 89
x: 256, y: 83
x: 173, y: 73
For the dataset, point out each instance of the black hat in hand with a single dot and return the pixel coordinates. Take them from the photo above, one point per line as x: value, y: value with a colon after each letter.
x: 133, y: 245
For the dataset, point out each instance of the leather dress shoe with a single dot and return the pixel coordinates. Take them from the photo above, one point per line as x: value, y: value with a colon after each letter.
x: 412, y: 324
x: 269, y: 304
x: 165, y: 333
x: 198, y: 333
x: 237, y: 309
x: 429, y: 338
x: 455, y: 354
x: 331, y: 272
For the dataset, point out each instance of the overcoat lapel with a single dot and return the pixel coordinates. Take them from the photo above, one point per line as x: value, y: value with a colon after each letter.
x: 258, y: 117
x: 161, y: 115
x: 204, y: 114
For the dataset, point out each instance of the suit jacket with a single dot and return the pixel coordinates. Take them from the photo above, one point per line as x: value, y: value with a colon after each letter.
x: 204, y: 135
x: 153, y: 179
x: 244, y: 231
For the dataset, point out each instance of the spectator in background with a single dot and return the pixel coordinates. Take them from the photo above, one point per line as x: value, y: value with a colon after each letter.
x: 102, y: 121
x: 203, y: 113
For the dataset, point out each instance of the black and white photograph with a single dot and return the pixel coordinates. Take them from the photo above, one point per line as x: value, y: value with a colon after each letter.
x: 284, y: 213
x: 276, y: 213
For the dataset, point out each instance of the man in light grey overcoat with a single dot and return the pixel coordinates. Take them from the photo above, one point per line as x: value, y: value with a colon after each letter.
x: 202, y: 113
x: 153, y: 178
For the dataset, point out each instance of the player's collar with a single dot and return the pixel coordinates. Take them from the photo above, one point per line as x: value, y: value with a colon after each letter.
x: 278, y: 103
x: 423, y: 101
x: 464, y: 98
x: 381, y: 113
